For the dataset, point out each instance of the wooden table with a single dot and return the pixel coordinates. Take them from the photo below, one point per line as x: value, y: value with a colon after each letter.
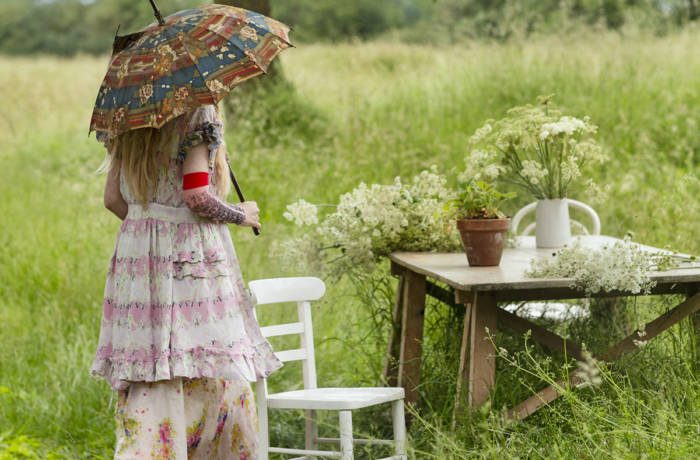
x: 481, y: 289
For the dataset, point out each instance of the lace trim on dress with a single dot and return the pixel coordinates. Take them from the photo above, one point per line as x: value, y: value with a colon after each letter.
x: 207, y: 133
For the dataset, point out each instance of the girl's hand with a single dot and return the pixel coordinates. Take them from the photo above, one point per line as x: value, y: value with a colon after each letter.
x: 252, y: 214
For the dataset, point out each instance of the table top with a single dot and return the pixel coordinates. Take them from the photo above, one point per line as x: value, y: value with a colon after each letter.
x: 453, y: 269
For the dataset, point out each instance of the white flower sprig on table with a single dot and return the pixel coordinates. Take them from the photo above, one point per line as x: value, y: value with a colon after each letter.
x: 372, y: 221
x: 622, y: 266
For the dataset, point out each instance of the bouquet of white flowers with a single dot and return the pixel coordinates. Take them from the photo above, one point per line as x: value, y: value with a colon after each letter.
x: 372, y: 221
x: 535, y: 147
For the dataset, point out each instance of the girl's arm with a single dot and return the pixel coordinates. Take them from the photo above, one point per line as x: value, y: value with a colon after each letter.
x: 113, y: 199
x: 195, y: 172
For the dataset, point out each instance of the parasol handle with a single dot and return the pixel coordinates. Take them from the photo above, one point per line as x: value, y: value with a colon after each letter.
x: 239, y: 192
x: 159, y: 16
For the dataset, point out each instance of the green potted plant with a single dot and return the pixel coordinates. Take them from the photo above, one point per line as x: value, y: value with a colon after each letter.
x: 481, y: 224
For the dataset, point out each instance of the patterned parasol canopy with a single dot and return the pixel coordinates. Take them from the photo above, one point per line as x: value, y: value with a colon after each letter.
x: 190, y: 58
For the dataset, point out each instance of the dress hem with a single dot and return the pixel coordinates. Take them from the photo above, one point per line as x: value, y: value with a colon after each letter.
x: 250, y: 363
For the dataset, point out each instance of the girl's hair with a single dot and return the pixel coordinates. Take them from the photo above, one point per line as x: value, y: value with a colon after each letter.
x: 141, y: 153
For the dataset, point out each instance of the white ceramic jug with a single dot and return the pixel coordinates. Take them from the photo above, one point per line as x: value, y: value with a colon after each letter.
x: 553, y: 225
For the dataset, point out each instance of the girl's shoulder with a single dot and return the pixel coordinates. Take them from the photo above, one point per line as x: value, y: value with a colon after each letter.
x: 202, y: 125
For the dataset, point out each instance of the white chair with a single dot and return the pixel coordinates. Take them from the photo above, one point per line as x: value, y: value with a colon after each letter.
x: 557, y: 311
x: 344, y: 400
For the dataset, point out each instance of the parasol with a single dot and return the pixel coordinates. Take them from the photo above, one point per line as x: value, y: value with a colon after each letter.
x: 193, y: 57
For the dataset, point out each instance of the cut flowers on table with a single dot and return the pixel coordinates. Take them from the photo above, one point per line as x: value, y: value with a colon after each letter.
x: 623, y: 266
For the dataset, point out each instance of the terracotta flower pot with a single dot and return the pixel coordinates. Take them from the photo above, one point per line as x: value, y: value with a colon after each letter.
x: 483, y: 240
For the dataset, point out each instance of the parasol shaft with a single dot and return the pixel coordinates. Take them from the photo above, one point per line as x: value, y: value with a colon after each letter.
x: 239, y: 192
x: 159, y: 16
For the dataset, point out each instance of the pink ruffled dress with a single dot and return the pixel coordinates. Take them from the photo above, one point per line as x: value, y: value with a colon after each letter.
x: 175, y: 304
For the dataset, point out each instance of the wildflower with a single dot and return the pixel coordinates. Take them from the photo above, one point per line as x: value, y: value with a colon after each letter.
x: 570, y: 169
x: 624, y: 266
x: 480, y: 133
x: 588, y: 371
x: 373, y: 220
x: 492, y: 171
x: 596, y: 194
x: 479, y: 165
x: 301, y: 213
x: 535, y: 147
x: 565, y: 125
x: 533, y: 171
x: 592, y: 152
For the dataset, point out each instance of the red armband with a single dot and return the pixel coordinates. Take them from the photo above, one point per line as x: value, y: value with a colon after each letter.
x: 195, y: 180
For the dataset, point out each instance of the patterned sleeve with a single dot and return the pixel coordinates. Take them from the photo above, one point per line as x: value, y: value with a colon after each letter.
x: 203, y: 127
x: 206, y: 204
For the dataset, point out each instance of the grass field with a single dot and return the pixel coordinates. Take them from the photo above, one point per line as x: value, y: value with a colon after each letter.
x: 364, y: 112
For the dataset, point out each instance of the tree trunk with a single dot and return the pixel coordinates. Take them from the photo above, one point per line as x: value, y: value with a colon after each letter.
x: 268, y: 99
x: 693, y: 12
x: 259, y: 6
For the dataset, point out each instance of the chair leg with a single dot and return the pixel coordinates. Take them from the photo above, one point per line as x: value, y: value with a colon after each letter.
x: 263, y: 439
x: 263, y: 433
x: 399, y: 421
x: 346, y: 435
x: 311, y: 430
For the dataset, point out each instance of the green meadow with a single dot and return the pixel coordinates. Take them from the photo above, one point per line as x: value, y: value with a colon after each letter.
x: 351, y: 113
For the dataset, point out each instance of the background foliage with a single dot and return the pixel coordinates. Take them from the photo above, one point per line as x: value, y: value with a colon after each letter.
x: 66, y: 27
x: 407, y: 107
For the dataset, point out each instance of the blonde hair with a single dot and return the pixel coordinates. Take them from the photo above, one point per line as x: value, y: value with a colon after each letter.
x: 140, y: 154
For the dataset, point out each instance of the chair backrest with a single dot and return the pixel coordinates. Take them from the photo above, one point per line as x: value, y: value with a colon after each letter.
x: 595, y: 220
x: 302, y: 291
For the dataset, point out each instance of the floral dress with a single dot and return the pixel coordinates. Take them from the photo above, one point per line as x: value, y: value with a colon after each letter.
x: 177, y: 317
x: 202, y: 418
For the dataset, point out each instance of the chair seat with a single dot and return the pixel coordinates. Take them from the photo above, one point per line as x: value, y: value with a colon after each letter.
x: 334, y: 398
x: 557, y: 311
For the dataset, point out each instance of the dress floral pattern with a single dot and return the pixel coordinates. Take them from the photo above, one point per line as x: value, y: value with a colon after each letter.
x: 178, y: 329
x: 216, y: 416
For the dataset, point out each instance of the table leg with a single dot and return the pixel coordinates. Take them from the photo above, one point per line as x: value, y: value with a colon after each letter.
x: 391, y: 365
x: 477, y: 362
x: 413, y: 310
x: 695, y: 321
x: 686, y: 309
x: 463, y: 372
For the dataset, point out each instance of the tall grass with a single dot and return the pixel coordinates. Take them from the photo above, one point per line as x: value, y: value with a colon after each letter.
x: 364, y: 112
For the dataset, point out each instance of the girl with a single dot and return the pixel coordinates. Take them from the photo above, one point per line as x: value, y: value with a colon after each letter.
x: 178, y: 339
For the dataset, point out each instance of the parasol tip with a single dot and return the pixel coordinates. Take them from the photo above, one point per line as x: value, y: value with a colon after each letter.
x: 156, y: 12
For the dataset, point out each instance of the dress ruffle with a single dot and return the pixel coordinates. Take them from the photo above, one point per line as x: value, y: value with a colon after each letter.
x: 175, y: 304
x: 121, y: 366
